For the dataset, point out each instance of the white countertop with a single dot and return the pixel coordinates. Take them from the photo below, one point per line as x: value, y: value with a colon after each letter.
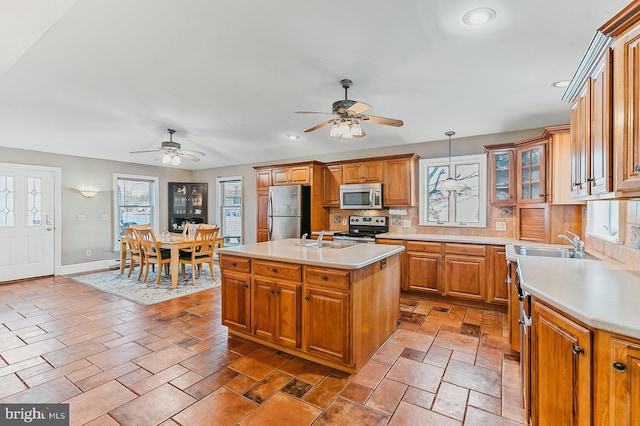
x: 291, y: 250
x: 599, y: 293
x: 470, y: 239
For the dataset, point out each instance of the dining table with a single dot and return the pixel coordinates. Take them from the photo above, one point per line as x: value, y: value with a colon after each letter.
x: 175, y: 242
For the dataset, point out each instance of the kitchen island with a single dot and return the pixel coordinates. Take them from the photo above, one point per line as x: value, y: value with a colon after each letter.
x: 335, y: 304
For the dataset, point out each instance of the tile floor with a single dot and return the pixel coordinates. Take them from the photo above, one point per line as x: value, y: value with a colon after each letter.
x: 117, y: 362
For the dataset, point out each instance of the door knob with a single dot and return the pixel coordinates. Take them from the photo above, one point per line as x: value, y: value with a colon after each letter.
x: 49, y: 228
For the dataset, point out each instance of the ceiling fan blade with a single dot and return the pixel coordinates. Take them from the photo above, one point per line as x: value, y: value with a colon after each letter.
x: 189, y: 156
x: 194, y: 153
x: 358, y: 107
x: 319, y: 125
x: 150, y: 150
x: 382, y: 120
x: 313, y: 112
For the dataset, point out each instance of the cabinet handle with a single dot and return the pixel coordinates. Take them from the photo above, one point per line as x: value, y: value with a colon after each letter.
x: 306, y: 298
x: 276, y: 292
x: 271, y: 292
x: 234, y: 264
x: 424, y: 248
x: 541, y: 195
x: 274, y: 270
x: 577, y: 350
x: 590, y: 180
x: 246, y: 286
x: 324, y: 278
x: 619, y: 366
x: 383, y: 264
x: 636, y: 168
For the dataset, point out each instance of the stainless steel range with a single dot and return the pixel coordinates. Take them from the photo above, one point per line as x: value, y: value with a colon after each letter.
x: 364, y: 228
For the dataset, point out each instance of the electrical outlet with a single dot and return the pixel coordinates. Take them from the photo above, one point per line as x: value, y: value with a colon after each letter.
x: 406, y: 223
x: 104, y: 217
x: 501, y: 226
x: 344, y: 221
x: 82, y: 217
x: 87, y: 252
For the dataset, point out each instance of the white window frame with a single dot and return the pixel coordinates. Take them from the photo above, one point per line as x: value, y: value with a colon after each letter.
x: 116, y: 210
x: 425, y: 163
x: 611, y: 213
x: 219, y: 219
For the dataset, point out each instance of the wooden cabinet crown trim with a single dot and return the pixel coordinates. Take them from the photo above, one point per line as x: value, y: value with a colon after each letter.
x: 623, y: 20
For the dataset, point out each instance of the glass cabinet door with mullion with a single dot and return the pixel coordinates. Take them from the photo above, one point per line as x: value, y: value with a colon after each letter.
x: 502, y: 190
x: 531, y: 176
x: 187, y: 204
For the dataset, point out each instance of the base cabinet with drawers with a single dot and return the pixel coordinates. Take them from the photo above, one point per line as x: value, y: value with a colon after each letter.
x: 332, y: 316
x: 465, y: 271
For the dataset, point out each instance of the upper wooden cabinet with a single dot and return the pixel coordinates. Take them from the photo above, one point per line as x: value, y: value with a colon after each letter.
x: 400, y: 181
x: 362, y: 172
x: 502, y: 189
x: 293, y: 175
x: 332, y: 177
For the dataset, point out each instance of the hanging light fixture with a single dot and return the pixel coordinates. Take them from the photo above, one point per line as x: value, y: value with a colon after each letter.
x: 450, y: 184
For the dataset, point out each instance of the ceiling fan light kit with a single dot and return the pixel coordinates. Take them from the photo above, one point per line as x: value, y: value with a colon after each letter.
x: 348, y: 114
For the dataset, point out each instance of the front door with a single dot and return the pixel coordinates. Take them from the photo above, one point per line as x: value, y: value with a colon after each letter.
x: 26, y: 222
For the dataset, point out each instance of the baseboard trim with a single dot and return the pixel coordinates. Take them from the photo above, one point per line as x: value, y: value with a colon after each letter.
x: 88, y: 266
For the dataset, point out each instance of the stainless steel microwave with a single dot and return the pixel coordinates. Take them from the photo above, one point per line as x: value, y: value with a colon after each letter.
x: 366, y: 196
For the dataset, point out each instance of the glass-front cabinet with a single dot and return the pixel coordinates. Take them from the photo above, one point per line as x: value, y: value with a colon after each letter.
x: 531, y: 174
x: 502, y: 177
x: 187, y: 204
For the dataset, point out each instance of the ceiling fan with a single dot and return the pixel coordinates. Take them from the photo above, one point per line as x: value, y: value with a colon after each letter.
x: 348, y: 115
x: 172, y: 151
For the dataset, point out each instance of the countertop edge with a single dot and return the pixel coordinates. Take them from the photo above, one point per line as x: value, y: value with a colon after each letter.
x: 471, y: 239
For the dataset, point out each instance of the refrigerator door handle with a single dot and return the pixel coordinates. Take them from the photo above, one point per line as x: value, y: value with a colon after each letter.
x: 269, y: 217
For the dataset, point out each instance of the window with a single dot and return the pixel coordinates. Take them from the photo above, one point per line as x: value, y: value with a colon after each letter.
x: 604, y: 219
x: 7, y: 202
x: 230, y: 209
x: 465, y: 208
x: 135, y: 199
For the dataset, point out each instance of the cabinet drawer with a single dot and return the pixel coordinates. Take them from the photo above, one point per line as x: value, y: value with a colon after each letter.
x: 424, y: 246
x: 327, y: 277
x: 470, y: 249
x: 238, y: 264
x: 285, y: 271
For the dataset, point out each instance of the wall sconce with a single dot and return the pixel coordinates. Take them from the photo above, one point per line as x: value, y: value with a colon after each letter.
x: 88, y: 193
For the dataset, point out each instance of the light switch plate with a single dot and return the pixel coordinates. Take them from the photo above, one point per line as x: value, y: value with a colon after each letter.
x: 82, y: 218
x: 104, y: 217
x: 501, y: 226
x: 406, y: 223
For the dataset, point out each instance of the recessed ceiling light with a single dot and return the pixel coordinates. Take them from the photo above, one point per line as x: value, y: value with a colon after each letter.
x: 561, y: 83
x: 293, y: 137
x: 479, y: 16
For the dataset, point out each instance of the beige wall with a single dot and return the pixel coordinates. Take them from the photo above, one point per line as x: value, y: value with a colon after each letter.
x: 96, y: 235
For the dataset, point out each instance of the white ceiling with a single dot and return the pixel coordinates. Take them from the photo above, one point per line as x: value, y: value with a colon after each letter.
x: 99, y: 78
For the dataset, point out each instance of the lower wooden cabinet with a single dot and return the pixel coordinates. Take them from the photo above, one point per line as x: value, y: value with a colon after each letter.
x: 236, y: 307
x: 497, y: 285
x: 424, y: 267
x: 465, y: 274
x: 514, y: 307
x: 327, y: 339
x: 276, y: 311
x: 561, y: 353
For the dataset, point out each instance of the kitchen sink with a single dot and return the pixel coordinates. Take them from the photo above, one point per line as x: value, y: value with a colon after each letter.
x: 564, y: 253
x: 332, y: 244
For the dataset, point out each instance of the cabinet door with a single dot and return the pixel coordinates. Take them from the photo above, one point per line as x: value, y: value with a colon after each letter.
x: 178, y: 199
x: 399, y: 182
x: 580, y: 145
x: 299, y: 175
x: 263, y: 178
x: 287, y: 309
x: 502, y: 177
x: 371, y: 172
x: 464, y: 276
x: 326, y: 339
x: 531, y: 174
x: 498, y: 290
x: 236, y: 302
x: 560, y: 369
x: 625, y: 382
x: 332, y: 177
x: 424, y: 272
x: 280, y: 176
x: 263, y: 226
x: 601, y: 175
x: 626, y: 110
x: 351, y: 173
x: 197, y: 200
x: 514, y: 308
x: 263, y: 309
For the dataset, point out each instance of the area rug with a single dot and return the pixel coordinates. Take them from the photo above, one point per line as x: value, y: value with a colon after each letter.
x: 148, y: 293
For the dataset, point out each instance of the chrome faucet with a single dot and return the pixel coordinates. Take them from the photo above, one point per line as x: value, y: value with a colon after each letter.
x: 576, y: 242
x: 304, y: 239
x: 320, y: 238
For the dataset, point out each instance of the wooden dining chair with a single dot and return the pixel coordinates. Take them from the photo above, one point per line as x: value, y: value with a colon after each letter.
x: 201, y: 251
x: 135, y: 252
x: 153, y: 254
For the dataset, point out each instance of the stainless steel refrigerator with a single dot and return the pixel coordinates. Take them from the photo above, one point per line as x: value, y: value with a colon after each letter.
x: 288, y: 211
